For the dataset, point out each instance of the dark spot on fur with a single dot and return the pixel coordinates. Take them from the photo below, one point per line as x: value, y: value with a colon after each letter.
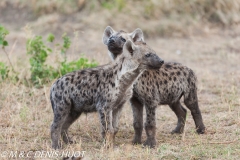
x: 111, y: 75
x: 168, y: 66
x: 163, y: 73
x: 178, y: 73
x: 165, y: 81
x: 174, y: 78
x: 59, y: 97
x: 98, y: 83
x: 91, y: 73
x: 189, y: 80
x: 184, y: 73
x: 83, y: 72
x: 62, y: 87
x: 170, y: 78
x: 79, y: 87
x: 67, y: 79
x: 65, y: 101
x: 120, y: 68
x: 113, y: 85
x: 57, y: 117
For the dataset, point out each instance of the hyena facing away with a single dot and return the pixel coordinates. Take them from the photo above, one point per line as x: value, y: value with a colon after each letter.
x: 154, y: 87
x: 103, y: 89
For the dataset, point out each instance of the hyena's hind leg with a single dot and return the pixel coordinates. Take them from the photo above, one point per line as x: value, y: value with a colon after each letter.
x: 71, y: 117
x: 61, y: 109
x: 181, y: 114
x: 191, y: 101
x: 56, y: 127
x: 192, y: 104
x: 137, y: 108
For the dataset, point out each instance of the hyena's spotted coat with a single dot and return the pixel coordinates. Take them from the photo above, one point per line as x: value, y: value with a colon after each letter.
x: 154, y: 87
x: 103, y: 89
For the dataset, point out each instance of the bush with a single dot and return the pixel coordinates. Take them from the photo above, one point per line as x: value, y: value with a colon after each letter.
x: 38, y: 51
x: 42, y: 73
x: 4, y: 70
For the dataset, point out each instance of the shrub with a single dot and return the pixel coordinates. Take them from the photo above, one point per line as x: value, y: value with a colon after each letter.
x: 4, y: 70
x: 42, y: 73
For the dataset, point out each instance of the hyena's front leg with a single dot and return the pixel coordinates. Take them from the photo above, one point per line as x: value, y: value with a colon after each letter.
x: 150, y: 126
x: 137, y: 108
x: 115, y: 119
x: 107, y: 130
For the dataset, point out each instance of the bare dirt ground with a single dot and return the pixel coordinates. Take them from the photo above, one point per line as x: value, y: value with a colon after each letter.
x: 26, y: 114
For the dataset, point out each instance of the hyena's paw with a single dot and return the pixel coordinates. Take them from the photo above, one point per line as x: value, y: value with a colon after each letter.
x: 201, y: 130
x: 136, y: 141
x: 177, y: 131
x: 151, y: 142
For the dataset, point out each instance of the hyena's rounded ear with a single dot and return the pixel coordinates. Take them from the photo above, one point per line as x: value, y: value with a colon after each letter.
x: 107, y: 33
x: 137, y: 35
x: 129, y: 47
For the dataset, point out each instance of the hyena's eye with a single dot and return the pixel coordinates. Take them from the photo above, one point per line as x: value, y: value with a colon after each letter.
x: 122, y: 39
x: 148, y: 55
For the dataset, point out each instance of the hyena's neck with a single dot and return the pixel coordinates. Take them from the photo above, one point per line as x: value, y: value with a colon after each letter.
x: 113, y: 55
x: 127, y: 72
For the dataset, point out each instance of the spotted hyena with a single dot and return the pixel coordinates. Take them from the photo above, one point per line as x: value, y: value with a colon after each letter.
x: 154, y: 87
x: 103, y: 89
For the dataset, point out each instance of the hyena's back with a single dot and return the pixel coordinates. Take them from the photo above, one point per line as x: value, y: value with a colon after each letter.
x: 166, y: 85
x: 76, y: 89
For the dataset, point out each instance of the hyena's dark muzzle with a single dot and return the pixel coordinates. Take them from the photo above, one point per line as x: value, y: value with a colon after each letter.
x: 115, y: 45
